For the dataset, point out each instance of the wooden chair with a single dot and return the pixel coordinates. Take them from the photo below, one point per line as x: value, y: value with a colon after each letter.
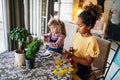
x: 70, y: 30
x: 99, y: 63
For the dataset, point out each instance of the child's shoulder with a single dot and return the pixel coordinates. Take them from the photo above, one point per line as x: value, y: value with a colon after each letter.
x: 77, y: 34
x: 93, y: 38
x: 61, y: 35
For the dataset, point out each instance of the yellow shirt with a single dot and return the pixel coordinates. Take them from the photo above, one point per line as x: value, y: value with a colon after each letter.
x: 83, y: 47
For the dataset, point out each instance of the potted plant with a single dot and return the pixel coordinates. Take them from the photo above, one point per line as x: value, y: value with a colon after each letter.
x: 20, y: 35
x: 31, y: 52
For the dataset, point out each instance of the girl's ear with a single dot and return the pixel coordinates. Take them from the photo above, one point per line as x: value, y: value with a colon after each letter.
x: 89, y: 27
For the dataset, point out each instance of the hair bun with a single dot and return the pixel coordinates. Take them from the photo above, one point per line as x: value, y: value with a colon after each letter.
x: 95, y: 10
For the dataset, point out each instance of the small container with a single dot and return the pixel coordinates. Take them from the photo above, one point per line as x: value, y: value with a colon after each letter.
x: 71, y: 61
x: 45, y: 36
x: 71, y: 49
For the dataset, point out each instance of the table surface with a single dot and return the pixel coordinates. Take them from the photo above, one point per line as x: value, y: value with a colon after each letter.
x: 42, y: 71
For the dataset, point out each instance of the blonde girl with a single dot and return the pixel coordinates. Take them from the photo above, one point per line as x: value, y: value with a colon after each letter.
x: 55, y: 39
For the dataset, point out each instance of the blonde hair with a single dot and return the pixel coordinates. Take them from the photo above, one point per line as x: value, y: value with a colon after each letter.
x: 55, y: 22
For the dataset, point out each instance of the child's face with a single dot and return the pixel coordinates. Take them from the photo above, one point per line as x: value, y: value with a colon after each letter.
x: 54, y: 29
x: 82, y: 28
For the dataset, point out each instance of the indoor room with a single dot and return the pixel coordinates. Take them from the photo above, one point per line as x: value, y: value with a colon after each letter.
x: 57, y: 39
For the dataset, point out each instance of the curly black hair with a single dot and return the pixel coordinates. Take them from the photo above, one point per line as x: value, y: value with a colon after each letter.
x: 90, y: 14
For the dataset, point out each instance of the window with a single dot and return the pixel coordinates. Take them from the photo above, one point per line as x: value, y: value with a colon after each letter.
x: 38, y: 17
x: 66, y: 10
x: 3, y: 31
x: 63, y: 9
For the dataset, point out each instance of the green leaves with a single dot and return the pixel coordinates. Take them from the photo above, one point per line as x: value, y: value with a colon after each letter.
x: 33, y: 48
x: 19, y: 35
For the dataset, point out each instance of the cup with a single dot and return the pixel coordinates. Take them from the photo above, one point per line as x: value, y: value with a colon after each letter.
x: 71, y: 49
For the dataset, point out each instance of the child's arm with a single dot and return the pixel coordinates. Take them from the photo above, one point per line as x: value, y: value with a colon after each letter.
x: 58, y: 43
x: 85, y: 61
x: 46, y: 37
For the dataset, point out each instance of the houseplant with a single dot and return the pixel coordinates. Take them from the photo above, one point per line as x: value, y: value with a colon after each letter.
x: 20, y: 35
x: 31, y: 52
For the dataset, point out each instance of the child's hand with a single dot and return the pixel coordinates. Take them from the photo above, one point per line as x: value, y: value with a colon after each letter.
x: 44, y: 38
x: 71, y: 49
x: 67, y: 54
x: 47, y: 43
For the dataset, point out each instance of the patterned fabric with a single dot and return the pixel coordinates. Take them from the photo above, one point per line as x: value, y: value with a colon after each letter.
x: 42, y: 71
x: 60, y: 40
x: 58, y: 49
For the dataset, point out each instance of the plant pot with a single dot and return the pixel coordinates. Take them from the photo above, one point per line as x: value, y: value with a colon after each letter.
x: 20, y: 59
x: 30, y: 63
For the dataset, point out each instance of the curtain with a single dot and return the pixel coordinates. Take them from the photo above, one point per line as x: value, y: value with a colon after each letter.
x: 27, y: 14
x: 16, y: 18
x: 20, y: 14
x: 16, y: 8
x: 40, y: 11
